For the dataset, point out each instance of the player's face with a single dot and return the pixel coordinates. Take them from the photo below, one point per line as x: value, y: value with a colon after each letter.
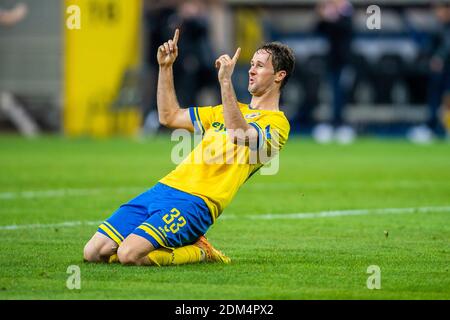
x: 261, y: 73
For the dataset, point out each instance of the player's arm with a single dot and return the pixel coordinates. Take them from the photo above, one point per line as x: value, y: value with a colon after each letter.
x: 169, y: 111
x: 238, y: 129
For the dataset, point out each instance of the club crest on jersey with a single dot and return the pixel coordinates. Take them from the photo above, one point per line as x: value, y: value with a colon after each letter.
x: 252, y: 115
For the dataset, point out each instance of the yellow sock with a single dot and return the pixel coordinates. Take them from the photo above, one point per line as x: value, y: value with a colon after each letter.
x: 114, y: 258
x: 181, y: 255
x: 187, y: 254
x: 161, y: 257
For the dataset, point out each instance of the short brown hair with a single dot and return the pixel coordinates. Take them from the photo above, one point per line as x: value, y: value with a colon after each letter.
x: 283, y: 58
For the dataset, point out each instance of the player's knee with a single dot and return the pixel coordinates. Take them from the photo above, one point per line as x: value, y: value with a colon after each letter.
x: 90, y: 253
x: 128, y: 256
x: 98, y: 251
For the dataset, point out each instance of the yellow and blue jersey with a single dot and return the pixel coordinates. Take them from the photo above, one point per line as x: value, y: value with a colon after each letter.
x: 186, y: 202
x: 216, y: 168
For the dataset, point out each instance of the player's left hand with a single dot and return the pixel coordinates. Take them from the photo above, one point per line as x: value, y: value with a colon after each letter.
x: 225, y: 64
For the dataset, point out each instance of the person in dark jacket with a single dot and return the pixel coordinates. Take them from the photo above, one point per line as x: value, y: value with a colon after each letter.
x: 336, y: 25
x: 439, y: 79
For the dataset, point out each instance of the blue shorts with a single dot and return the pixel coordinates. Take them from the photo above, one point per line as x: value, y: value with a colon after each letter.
x: 165, y: 216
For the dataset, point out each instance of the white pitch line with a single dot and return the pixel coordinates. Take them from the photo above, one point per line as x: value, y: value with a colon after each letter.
x: 400, y: 184
x: 63, y: 193
x: 50, y: 225
x: 67, y: 192
x: 337, y: 213
x: 281, y: 216
x: 47, y: 193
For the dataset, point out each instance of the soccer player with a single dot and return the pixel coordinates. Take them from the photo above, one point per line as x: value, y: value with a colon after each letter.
x: 166, y: 224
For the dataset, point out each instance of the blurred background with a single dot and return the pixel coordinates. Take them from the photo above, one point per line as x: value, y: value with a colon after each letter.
x: 88, y: 67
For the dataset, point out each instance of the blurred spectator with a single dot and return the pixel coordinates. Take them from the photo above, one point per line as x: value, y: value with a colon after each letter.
x: 9, y: 104
x: 336, y: 25
x: 159, y: 21
x: 439, y: 79
x: 14, y: 15
x: 220, y: 20
x: 194, y: 70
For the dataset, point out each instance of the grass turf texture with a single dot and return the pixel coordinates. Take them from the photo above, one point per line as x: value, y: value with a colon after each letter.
x: 323, y: 258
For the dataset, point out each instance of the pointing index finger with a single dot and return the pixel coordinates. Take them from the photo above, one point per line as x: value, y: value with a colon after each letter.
x: 236, y: 55
x: 176, y: 35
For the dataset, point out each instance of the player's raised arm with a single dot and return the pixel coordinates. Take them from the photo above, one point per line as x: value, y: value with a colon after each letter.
x: 239, y: 131
x: 169, y: 111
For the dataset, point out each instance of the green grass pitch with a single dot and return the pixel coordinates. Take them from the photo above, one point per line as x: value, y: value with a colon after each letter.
x: 49, y: 181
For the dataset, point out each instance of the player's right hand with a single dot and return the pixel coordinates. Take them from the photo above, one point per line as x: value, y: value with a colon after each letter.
x: 168, y: 52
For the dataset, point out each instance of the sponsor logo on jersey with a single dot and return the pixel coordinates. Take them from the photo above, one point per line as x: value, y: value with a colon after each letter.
x: 252, y: 115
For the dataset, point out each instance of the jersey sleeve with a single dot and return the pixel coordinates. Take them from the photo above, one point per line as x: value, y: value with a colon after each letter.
x: 202, y: 118
x: 273, y: 131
